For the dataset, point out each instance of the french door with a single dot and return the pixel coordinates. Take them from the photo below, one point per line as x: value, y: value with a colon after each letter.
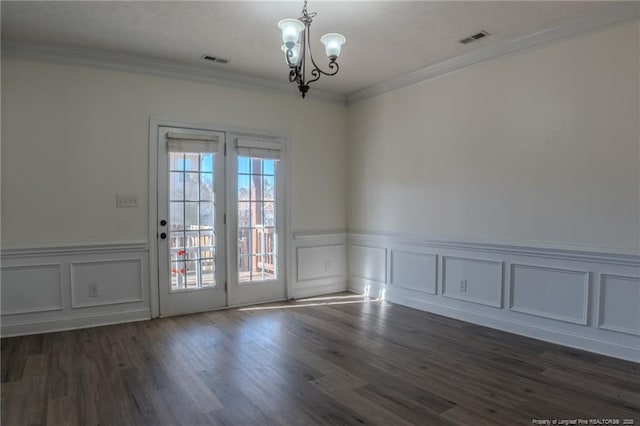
x: 220, y: 220
x: 256, y: 220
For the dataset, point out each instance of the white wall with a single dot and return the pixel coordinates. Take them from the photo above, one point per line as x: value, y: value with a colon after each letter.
x: 507, y: 193
x: 539, y: 146
x: 73, y: 137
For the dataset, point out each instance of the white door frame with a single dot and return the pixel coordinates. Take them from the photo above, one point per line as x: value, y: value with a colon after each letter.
x: 152, y: 188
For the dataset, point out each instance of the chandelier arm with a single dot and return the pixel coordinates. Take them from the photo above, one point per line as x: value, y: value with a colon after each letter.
x: 293, y: 75
x: 333, y: 65
x: 317, y: 72
x: 289, y: 55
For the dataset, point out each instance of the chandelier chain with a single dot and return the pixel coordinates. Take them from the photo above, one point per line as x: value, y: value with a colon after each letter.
x: 305, y: 13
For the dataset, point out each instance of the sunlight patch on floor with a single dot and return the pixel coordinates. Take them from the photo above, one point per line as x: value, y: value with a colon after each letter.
x: 304, y: 305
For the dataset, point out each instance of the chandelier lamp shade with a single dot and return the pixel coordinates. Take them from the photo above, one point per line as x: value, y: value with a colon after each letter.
x: 303, y: 69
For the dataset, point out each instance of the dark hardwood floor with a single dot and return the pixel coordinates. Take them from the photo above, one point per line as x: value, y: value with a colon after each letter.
x: 340, y: 359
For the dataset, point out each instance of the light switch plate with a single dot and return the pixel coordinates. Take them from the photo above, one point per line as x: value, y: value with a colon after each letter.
x: 127, y: 200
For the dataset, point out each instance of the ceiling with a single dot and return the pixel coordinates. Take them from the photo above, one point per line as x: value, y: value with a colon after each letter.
x: 385, y: 39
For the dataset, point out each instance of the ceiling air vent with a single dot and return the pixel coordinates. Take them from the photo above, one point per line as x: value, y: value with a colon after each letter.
x: 478, y: 36
x: 214, y: 59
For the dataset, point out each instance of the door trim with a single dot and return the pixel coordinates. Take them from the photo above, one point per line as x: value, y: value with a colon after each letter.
x: 152, y: 189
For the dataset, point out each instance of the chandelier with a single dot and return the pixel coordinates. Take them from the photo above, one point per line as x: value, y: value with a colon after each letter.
x: 296, y: 47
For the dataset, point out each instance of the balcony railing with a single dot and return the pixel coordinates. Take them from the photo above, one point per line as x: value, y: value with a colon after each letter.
x: 257, y: 256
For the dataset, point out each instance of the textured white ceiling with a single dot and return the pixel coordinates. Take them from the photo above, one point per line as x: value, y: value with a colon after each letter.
x: 385, y: 39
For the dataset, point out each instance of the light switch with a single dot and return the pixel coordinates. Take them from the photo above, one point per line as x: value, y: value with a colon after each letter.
x: 127, y: 200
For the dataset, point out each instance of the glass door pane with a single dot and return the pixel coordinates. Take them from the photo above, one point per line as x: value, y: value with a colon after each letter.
x: 256, y: 230
x: 192, y: 234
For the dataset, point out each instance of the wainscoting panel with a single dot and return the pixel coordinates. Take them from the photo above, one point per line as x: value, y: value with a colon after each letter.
x: 320, y: 264
x: 50, y: 288
x: 531, y: 287
x: 585, y: 299
x: 369, y: 263
x: 115, y: 281
x: 315, y: 263
x: 472, y: 280
x: 31, y: 288
x: 619, y: 308
x: 414, y: 271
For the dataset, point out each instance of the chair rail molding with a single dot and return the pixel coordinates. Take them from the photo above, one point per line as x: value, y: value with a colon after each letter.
x: 64, y: 249
x: 552, y: 251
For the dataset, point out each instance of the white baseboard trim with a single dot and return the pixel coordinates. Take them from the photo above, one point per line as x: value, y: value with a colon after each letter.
x: 68, y: 322
x: 380, y: 290
x: 319, y: 290
x: 367, y: 288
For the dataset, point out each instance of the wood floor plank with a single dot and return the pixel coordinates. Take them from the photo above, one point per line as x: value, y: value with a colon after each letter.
x: 415, y: 411
x: 341, y: 359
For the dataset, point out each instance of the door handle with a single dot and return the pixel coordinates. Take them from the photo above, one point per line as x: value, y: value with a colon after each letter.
x: 163, y: 236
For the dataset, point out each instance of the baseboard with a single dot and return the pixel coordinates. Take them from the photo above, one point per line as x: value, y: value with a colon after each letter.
x: 88, y: 320
x: 371, y: 289
x: 319, y: 290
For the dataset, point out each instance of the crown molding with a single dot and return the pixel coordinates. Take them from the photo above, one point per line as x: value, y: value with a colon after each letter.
x: 616, y: 13
x: 131, y: 63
